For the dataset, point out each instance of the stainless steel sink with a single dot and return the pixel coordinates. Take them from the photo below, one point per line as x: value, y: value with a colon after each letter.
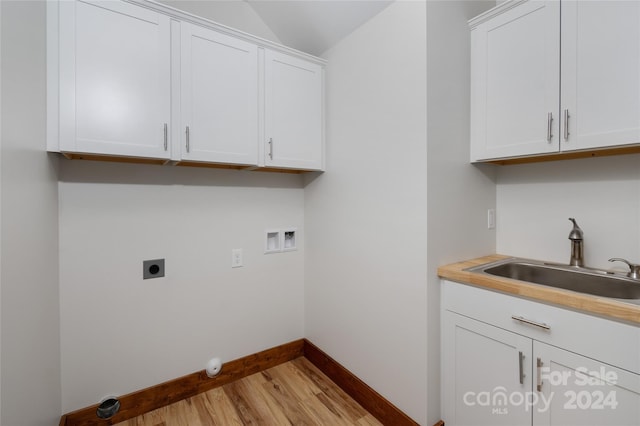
x: 584, y: 280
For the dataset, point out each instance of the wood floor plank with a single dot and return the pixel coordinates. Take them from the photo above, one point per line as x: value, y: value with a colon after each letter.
x: 216, y: 409
x: 253, y: 403
x: 334, y: 396
x: 293, y: 393
x: 369, y: 420
x: 295, y: 412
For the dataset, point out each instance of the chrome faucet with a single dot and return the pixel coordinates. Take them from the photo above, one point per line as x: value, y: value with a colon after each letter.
x: 577, y: 249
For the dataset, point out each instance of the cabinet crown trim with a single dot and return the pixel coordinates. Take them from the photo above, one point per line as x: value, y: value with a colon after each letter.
x: 495, y: 11
x: 197, y: 20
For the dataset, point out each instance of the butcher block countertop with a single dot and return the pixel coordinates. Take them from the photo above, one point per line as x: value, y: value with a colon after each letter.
x: 602, y: 306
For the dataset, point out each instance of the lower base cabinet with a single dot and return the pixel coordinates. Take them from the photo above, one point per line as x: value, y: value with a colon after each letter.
x: 493, y: 376
x: 577, y: 390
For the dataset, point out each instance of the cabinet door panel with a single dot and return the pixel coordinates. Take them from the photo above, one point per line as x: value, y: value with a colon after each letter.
x: 584, y: 392
x: 293, y: 112
x: 219, y: 97
x: 516, y: 82
x: 601, y: 73
x: 481, y: 363
x: 114, y: 85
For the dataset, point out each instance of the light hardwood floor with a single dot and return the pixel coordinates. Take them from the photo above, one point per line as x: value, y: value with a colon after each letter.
x: 293, y: 393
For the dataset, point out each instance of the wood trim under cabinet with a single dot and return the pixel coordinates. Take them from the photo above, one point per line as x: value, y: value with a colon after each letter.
x: 149, y: 399
x: 160, y: 161
x: 567, y: 155
x: 114, y: 158
x: 372, y: 401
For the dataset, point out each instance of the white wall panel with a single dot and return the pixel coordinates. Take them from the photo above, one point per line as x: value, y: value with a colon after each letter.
x: 29, y: 313
x: 603, y: 194
x: 120, y: 333
x: 365, y: 218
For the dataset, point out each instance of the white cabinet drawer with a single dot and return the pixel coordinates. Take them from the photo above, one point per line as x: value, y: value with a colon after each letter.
x: 607, y: 341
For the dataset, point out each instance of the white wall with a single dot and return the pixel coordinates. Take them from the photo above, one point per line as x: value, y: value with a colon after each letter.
x: 120, y: 333
x: 459, y: 193
x: 603, y: 194
x: 233, y: 13
x: 365, y: 218
x: 30, y: 358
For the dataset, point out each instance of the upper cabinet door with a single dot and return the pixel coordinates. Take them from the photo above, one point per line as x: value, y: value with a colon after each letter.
x: 219, y: 97
x: 516, y: 82
x: 293, y: 112
x: 600, y: 73
x: 114, y: 71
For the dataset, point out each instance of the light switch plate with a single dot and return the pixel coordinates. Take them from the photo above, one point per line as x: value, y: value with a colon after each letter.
x: 236, y: 258
x: 491, y: 219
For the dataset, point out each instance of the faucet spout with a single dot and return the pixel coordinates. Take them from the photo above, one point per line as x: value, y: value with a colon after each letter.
x: 577, y: 247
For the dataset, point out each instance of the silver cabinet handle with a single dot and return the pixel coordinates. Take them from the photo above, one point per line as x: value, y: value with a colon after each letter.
x: 566, y: 124
x: 166, y: 137
x: 530, y: 322
x: 187, y: 132
x: 271, y: 148
x: 539, y: 365
x: 521, y: 365
x: 549, y: 126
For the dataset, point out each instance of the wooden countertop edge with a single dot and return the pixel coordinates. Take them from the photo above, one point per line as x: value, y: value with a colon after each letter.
x: 583, y: 302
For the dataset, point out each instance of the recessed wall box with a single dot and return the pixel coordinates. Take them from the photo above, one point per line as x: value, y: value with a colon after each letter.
x: 289, y: 239
x: 272, y: 241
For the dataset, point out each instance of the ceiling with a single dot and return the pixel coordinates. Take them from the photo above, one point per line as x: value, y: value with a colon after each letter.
x: 314, y: 26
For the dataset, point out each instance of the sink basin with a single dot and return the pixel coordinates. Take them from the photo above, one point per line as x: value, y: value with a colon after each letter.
x: 583, y: 280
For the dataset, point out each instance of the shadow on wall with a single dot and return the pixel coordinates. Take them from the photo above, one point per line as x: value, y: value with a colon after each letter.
x: 614, y: 168
x: 84, y: 171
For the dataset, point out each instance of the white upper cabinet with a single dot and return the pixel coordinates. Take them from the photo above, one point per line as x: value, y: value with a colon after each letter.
x: 219, y: 97
x: 114, y: 79
x: 139, y: 81
x: 600, y: 73
x: 515, y: 82
x: 293, y: 112
x: 554, y: 76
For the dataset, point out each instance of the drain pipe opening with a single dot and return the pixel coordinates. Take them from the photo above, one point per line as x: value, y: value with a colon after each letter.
x: 108, y: 408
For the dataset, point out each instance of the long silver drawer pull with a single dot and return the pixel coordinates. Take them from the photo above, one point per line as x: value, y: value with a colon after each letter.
x: 539, y: 369
x: 566, y: 124
x: 549, y: 127
x: 521, y: 364
x: 528, y: 321
x: 187, y: 132
x: 271, y: 148
x: 166, y: 136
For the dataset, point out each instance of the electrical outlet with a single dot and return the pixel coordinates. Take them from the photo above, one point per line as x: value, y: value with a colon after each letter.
x: 152, y: 268
x: 236, y: 258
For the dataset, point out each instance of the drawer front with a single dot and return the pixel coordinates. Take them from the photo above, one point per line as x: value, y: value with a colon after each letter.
x: 612, y: 342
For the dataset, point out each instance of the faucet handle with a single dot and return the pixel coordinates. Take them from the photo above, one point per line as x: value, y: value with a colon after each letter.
x: 634, y: 269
